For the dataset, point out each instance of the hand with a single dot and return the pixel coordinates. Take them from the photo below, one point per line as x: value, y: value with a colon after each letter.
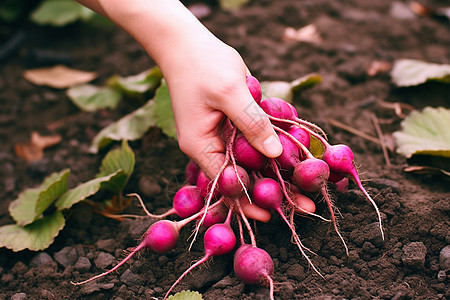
x: 206, y: 78
x: 206, y: 86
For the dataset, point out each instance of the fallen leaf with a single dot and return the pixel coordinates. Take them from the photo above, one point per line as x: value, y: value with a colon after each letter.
x: 58, y: 76
x: 308, y: 34
x: 377, y: 67
x: 34, y: 149
x: 46, y: 141
x: 425, y: 133
x: 411, y: 72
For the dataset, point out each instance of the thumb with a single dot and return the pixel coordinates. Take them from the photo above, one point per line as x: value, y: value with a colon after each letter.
x: 254, y: 123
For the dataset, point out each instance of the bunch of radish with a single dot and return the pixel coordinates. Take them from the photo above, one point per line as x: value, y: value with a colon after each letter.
x: 250, y: 187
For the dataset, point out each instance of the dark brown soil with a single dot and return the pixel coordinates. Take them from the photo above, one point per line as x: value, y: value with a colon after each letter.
x: 415, y: 208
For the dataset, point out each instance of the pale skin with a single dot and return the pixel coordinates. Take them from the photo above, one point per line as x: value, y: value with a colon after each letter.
x: 206, y: 78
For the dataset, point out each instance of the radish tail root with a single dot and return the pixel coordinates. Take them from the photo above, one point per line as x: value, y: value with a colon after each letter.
x: 333, y: 217
x: 360, y: 186
x: 185, y: 273
x: 113, y: 269
x: 270, y: 280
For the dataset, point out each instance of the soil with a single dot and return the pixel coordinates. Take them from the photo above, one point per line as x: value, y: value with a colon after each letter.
x: 415, y: 208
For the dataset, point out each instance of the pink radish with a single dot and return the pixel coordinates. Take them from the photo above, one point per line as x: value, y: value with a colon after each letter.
x: 280, y: 109
x: 219, y: 239
x: 335, y: 177
x: 191, y: 172
x: 186, y: 202
x: 203, y: 185
x: 254, y: 87
x: 246, y: 155
x: 340, y: 159
x: 233, y: 182
x: 267, y: 193
x: 290, y: 155
x: 301, y: 135
x: 253, y: 265
x: 311, y: 174
x: 160, y: 237
x: 214, y: 215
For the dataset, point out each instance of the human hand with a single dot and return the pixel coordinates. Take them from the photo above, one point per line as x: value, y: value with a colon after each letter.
x: 208, y: 85
x: 206, y: 78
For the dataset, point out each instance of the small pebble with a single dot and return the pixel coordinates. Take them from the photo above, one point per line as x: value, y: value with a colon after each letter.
x: 444, y: 258
x: 40, y: 259
x: 67, y: 256
x: 104, y: 260
x: 18, y: 296
x: 83, y: 264
x: 130, y: 279
x: 149, y: 187
x: 442, y: 276
x: 414, y: 255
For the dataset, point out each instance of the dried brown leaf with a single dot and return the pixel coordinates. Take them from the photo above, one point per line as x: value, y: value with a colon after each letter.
x: 308, y: 34
x: 377, y: 67
x: 34, y: 149
x: 58, y: 76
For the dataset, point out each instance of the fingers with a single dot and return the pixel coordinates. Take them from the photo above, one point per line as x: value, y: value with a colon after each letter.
x: 253, y: 122
x: 208, y: 153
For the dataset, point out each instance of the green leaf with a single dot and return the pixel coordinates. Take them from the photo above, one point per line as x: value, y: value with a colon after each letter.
x: 186, y: 295
x: 117, y: 159
x: 137, y: 85
x: 410, y: 72
x: 90, y: 98
x: 163, y: 111
x: 426, y: 132
x: 35, y: 236
x: 229, y: 5
x: 84, y: 190
x: 130, y: 127
x: 285, y: 90
x: 60, y: 12
x: 31, y: 203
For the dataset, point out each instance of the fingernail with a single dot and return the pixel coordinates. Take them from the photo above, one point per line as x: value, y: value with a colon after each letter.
x: 272, y: 146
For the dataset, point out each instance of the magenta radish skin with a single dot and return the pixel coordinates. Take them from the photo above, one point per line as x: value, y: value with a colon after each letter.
x: 161, y: 236
x: 280, y: 109
x: 267, y: 193
x: 290, y: 155
x: 215, y: 215
x: 187, y: 201
x: 219, y: 239
x: 191, y: 172
x: 335, y: 177
x: 254, y: 87
x: 252, y: 265
x: 229, y: 184
x: 311, y: 174
x: 246, y: 155
x: 339, y: 158
x: 300, y: 135
x: 203, y: 185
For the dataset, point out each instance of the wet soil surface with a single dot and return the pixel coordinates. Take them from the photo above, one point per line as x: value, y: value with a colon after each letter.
x: 415, y: 209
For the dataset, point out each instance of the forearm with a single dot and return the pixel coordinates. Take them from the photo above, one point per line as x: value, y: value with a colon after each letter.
x: 160, y: 26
